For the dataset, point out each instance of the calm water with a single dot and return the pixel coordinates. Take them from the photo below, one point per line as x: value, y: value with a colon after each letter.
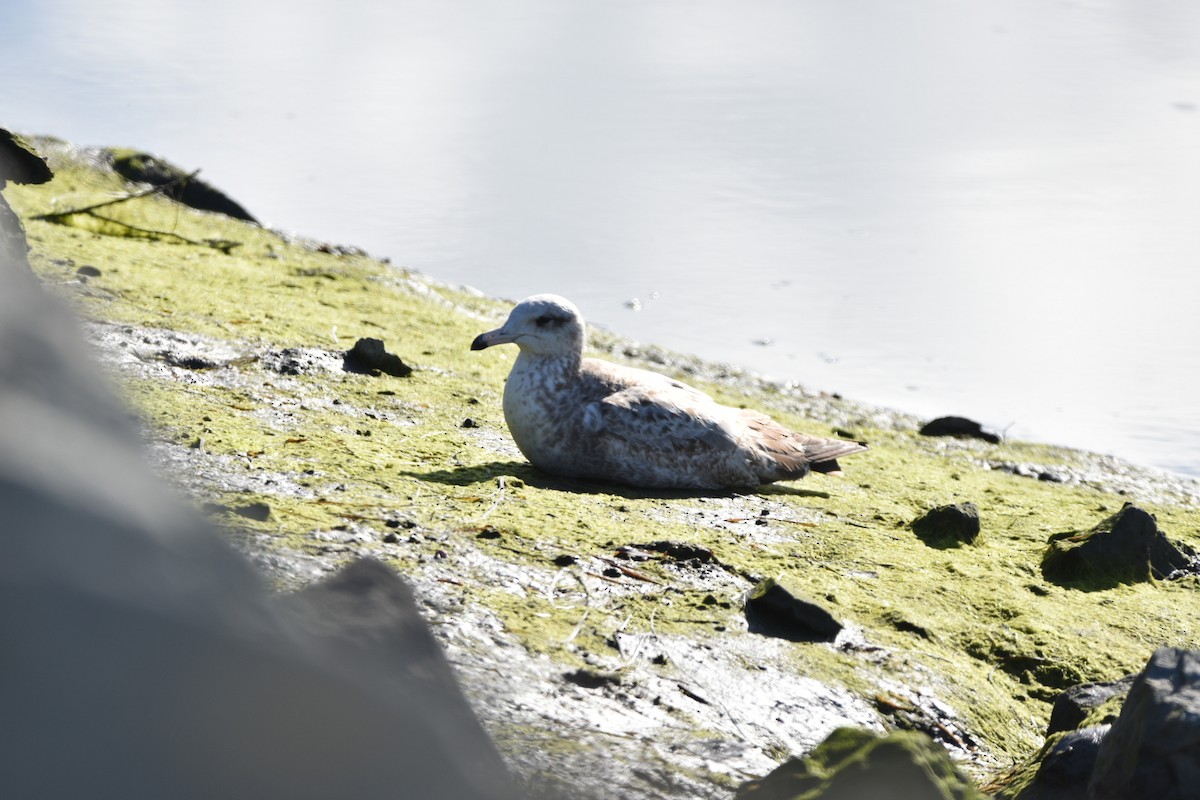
x: 989, y: 209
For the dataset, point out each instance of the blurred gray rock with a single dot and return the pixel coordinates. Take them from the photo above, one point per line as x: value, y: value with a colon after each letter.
x: 1153, y: 749
x: 143, y: 658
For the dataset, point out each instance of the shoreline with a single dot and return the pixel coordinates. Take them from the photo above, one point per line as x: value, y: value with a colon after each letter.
x: 232, y: 357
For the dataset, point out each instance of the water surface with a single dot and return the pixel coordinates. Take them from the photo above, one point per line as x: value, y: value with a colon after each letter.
x: 985, y: 209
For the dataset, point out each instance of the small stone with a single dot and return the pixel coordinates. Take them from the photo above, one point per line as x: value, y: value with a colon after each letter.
x: 369, y: 356
x: 591, y: 679
x: 772, y: 610
x: 565, y: 560
x: 469, y: 423
x: 948, y: 526
x: 1075, y: 703
x: 87, y: 271
x: 488, y: 532
x: 259, y: 512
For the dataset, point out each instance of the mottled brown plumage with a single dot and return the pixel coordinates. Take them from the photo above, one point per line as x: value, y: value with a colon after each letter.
x: 586, y: 418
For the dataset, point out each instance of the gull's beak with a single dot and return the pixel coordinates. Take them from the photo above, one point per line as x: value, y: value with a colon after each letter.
x: 498, y: 336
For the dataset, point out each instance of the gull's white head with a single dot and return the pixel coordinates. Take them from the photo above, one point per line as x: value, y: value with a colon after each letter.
x: 545, y: 325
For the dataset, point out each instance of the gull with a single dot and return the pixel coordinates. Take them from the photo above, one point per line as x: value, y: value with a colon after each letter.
x: 586, y: 418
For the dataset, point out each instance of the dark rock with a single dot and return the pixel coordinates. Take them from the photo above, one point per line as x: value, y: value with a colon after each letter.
x: 259, y: 512
x: 488, y: 532
x: 186, y: 188
x: 368, y: 356
x: 772, y: 610
x: 469, y: 423
x: 19, y: 162
x: 1061, y: 769
x: 958, y: 426
x: 948, y: 526
x: 1127, y: 547
x: 1072, y: 707
x: 565, y: 560
x: 679, y: 551
x: 1153, y: 749
x: 859, y: 765
x: 591, y: 679
x: 88, y: 271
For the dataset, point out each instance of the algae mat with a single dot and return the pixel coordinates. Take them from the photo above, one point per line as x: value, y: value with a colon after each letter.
x: 598, y: 659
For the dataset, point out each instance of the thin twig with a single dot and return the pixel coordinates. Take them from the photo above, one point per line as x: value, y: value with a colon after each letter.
x: 136, y: 195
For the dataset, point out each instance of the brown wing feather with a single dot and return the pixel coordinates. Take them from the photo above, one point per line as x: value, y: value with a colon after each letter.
x: 794, y: 454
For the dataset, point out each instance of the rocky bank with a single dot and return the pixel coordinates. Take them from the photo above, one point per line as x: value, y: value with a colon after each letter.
x: 601, y: 634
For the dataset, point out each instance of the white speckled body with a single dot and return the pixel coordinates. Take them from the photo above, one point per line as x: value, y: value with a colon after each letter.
x: 588, y: 418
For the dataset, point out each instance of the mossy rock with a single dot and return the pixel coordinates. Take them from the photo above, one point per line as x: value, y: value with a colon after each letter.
x: 185, y: 187
x: 853, y: 764
x: 948, y: 526
x: 1127, y: 547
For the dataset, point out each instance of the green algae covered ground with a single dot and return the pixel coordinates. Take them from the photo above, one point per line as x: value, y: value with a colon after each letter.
x: 226, y: 339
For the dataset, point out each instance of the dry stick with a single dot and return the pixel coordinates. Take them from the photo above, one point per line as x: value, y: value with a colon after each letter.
x: 503, y: 484
x: 587, y: 590
x: 219, y: 244
x: 152, y: 190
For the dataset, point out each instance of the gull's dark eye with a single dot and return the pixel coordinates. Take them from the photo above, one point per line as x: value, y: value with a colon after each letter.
x: 548, y: 321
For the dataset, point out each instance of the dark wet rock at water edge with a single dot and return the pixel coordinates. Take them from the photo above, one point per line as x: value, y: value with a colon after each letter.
x: 19, y: 162
x: 948, y: 526
x: 1127, y: 547
x: 859, y: 765
x: 958, y: 426
x: 369, y: 356
x: 185, y: 187
x: 1153, y: 749
x: 772, y: 610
